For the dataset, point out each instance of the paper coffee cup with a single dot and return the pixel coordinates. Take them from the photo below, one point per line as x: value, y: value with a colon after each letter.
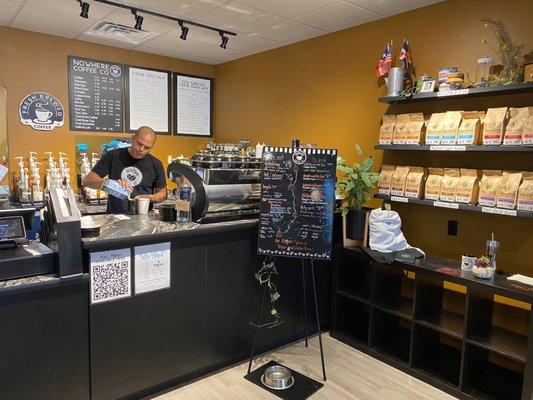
x: 143, y: 205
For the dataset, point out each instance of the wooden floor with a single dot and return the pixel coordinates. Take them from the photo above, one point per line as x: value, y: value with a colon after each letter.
x: 351, y: 375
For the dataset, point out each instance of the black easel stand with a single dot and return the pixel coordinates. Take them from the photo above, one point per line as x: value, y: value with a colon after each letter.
x: 258, y: 325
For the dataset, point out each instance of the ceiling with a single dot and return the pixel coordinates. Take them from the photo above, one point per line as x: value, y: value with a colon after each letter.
x: 260, y: 24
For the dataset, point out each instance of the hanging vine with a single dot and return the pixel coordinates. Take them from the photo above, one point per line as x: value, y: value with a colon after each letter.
x: 264, y: 276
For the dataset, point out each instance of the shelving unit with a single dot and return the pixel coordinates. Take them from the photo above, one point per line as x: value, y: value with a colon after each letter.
x: 457, y: 206
x: 448, y: 338
x: 454, y: 148
x: 464, y: 93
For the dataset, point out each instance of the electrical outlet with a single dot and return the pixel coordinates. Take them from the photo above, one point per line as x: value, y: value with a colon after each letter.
x: 452, y: 227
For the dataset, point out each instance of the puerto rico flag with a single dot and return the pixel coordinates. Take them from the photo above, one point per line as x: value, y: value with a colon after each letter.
x: 384, y: 62
x: 405, y: 55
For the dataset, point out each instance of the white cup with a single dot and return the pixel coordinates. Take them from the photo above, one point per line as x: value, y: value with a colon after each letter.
x: 43, y: 115
x: 143, y: 204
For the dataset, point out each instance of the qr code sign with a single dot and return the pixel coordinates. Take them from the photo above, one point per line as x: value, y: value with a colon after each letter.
x: 110, y: 275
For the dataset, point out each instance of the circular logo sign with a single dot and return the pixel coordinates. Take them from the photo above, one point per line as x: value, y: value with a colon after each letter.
x: 299, y: 157
x: 132, y: 175
x: 115, y: 71
x: 41, y: 111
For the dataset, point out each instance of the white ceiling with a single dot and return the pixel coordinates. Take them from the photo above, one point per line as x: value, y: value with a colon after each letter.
x: 260, y: 24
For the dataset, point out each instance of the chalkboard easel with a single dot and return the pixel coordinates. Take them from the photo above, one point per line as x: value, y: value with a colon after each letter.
x: 296, y: 220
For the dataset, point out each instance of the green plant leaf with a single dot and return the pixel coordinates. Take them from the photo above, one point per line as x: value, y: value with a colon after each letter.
x: 274, y: 297
x: 273, y: 311
x: 387, y: 206
x: 358, y: 149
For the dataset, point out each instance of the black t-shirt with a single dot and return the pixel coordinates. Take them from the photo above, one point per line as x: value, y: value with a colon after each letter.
x: 145, y: 174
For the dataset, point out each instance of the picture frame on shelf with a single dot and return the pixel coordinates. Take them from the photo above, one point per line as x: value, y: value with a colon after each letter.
x: 428, y: 86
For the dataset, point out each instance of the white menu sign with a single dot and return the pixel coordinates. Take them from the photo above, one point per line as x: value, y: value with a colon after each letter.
x: 193, y: 105
x: 152, y: 267
x: 148, y: 103
x: 110, y: 275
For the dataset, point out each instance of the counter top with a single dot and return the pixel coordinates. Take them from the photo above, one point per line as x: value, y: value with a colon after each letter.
x: 116, y: 229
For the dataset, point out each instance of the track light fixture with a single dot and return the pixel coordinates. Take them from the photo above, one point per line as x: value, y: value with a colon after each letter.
x: 138, y: 20
x: 224, y: 40
x: 184, y: 31
x: 84, y: 9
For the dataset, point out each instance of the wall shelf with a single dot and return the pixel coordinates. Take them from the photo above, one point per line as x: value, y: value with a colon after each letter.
x: 447, y: 338
x: 454, y: 148
x: 463, y: 93
x: 457, y: 206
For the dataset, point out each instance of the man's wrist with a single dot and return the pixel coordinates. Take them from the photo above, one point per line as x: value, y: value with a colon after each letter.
x: 104, y: 181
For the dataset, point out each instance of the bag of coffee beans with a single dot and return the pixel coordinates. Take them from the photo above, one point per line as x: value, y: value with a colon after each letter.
x: 525, y: 192
x: 384, y: 185
x: 449, y: 127
x: 488, y: 187
x: 432, y: 130
x: 387, y: 129
x: 468, y: 187
x: 401, y: 128
x: 448, y: 185
x: 494, y: 126
x: 469, y: 128
x: 398, y: 181
x: 432, y: 189
x: 416, y: 129
x: 415, y: 182
x: 508, y: 190
x: 515, y: 128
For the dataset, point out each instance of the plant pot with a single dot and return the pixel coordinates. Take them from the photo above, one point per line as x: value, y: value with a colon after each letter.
x: 356, y: 224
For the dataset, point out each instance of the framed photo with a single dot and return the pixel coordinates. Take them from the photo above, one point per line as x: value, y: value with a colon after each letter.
x: 193, y: 105
x: 428, y: 86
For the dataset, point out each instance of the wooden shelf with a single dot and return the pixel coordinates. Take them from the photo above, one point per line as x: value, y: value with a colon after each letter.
x: 454, y: 148
x: 402, y: 308
x: 502, y: 342
x: 446, y: 322
x: 458, y: 206
x: 458, y: 94
x: 351, y: 296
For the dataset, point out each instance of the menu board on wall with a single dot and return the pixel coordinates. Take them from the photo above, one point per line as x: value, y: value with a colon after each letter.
x: 193, y: 105
x: 147, y: 99
x: 297, y: 202
x: 95, y: 95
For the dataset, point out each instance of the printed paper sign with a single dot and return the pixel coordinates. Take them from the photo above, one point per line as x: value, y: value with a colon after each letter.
x: 152, y: 267
x: 110, y: 275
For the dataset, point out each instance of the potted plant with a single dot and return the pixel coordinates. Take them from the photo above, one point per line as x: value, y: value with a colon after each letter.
x: 355, y: 186
x: 483, y: 268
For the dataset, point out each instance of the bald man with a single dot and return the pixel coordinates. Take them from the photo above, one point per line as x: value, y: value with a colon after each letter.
x: 133, y: 168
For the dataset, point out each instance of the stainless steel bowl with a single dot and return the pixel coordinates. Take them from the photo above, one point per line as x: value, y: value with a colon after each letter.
x: 277, y: 377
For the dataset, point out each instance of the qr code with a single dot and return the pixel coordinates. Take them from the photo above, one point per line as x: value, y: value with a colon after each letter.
x: 110, y: 281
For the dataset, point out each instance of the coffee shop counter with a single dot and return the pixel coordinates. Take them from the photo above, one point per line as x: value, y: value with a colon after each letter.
x: 147, y: 342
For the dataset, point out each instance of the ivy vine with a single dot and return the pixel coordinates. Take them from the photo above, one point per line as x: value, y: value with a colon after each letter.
x: 264, y: 276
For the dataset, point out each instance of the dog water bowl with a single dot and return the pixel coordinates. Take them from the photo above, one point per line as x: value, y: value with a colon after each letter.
x: 277, y: 377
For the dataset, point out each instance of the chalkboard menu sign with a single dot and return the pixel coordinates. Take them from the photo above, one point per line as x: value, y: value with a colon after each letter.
x: 297, y: 202
x: 95, y: 95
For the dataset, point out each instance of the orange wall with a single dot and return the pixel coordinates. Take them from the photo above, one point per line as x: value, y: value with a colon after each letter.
x: 35, y: 62
x: 323, y: 91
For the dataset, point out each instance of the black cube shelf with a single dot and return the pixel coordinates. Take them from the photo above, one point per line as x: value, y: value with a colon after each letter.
x: 437, y: 323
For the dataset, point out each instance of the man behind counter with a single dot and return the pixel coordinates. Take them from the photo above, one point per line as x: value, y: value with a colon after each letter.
x: 133, y: 168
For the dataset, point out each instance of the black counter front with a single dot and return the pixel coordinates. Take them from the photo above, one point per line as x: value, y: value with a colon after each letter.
x: 150, y: 341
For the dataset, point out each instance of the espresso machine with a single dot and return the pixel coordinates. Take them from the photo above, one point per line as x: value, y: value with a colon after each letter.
x: 226, y: 183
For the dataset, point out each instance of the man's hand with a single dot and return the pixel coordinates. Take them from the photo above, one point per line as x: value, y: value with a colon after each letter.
x: 143, y: 196
x: 125, y: 185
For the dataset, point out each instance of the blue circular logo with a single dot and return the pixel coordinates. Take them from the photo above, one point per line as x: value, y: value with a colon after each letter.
x: 41, y: 111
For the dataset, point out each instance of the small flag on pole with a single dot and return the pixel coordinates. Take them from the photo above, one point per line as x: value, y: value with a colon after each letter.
x: 405, y: 55
x: 384, y: 64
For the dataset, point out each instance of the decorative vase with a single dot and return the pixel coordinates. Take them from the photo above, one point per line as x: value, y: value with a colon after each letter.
x: 357, y: 224
x: 483, y: 273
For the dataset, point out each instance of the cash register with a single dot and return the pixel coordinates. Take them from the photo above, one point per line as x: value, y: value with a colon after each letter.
x: 20, y: 258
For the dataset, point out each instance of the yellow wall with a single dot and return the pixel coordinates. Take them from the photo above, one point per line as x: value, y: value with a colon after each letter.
x: 323, y: 91
x: 35, y: 62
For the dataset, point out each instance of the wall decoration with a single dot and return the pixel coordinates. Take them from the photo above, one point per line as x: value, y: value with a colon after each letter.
x: 95, y: 95
x: 193, y: 99
x: 147, y: 97
x: 41, y: 111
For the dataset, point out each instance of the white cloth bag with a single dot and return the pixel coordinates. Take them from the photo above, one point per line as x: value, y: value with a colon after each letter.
x: 386, y: 233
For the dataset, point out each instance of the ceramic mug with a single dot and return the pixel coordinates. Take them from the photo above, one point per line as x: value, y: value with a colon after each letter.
x: 467, y: 262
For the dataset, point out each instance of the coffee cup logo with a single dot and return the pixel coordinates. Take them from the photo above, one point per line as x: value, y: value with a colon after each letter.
x: 42, y: 111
